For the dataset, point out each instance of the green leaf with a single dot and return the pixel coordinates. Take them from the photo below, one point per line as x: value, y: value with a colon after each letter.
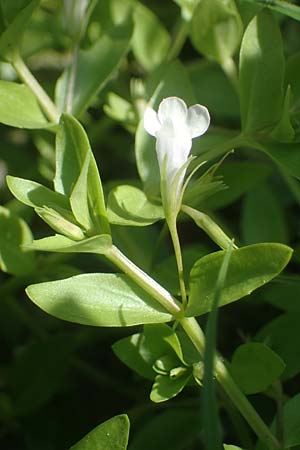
x: 107, y: 300
x: 169, y: 80
x: 249, y: 268
x: 261, y: 73
x: 281, y: 334
x: 134, y: 352
x: 95, y: 66
x: 281, y: 6
x: 19, y: 107
x: 170, y: 429
x: 58, y: 243
x: 269, y: 224
x: 284, y: 131
x: 165, y: 387
x: 162, y: 340
x: 72, y: 148
x: 150, y: 40
x: 15, y: 16
x: 128, y: 205
x: 14, y: 234
x: 110, y: 435
x: 255, y: 367
x: 79, y: 196
x: 231, y: 447
x: 216, y: 29
x: 36, y: 195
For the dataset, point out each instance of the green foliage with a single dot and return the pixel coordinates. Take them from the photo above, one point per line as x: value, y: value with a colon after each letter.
x: 77, y: 175
x: 216, y: 29
x: 128, y: 205
x: 108, y: 300
x: 94, y: 67
x: 14, y: 18
x: 15, y: 235
x: 150, y: 40
x: 110, y: 435
x: 255, y: 367
x: 249, y: 268
x: 19, y: 107
x: 261, y: 73
x: 103, y: 63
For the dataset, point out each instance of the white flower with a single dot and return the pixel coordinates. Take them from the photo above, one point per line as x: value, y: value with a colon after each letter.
x: 174, y: 126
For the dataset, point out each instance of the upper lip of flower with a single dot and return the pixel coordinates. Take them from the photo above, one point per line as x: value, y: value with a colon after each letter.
x: 174, y: 126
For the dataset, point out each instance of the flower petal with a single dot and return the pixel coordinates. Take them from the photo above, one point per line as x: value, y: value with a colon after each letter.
x: 176, y: 145
x: 198, y: 120
x: 174, y: 109
x: 151, y: 122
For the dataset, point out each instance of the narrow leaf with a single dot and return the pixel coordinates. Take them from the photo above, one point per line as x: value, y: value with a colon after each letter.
x: 261, y: 73
x: 72, y: 148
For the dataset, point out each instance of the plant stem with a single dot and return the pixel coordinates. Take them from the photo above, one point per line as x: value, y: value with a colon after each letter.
x: 194, y: 332
x: 27, y: 77
x: 209, y: 226
x: 177, y: 249
x: 142, y: 279
x: 196, y: 335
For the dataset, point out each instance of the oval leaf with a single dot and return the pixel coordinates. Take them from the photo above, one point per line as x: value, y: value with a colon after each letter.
x: 110, y: 435
x: 128, y: 205
x: 19, y: 107
x: 255, y: 367
x: 105, y: 299
x: 249, y: 268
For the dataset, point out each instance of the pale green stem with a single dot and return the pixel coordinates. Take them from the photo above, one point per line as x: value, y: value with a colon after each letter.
x: 27, y: 77
x: 142, y: 279
x: 195, y: 333
x: 208, y: 225
x: 177, y: 249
